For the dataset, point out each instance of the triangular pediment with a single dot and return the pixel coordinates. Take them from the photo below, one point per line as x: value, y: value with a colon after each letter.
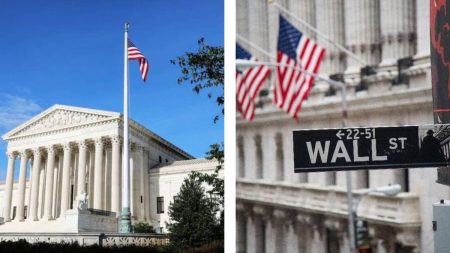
x: 59, y: 117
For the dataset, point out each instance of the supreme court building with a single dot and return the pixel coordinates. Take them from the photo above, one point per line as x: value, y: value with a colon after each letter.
x: 70, y: 169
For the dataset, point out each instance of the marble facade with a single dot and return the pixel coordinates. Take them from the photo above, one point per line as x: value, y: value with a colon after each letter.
x: 65, y: 153
x: 282, y: 211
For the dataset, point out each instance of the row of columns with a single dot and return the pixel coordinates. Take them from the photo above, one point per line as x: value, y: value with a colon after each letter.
x: 57, y: 170
x: 268, y: 229
x: 375, y: 30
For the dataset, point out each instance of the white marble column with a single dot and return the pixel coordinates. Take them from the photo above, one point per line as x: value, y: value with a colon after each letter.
x: 242, y: 13
x: 115, y: 175
x: 81, y: 181
x: 49, y: 183
x: 397, y: 29
x: 333, y: 26
x: 241, y: 231
x: 362, y: 32
x: 65, y: 196
x: 423, y: 26
x: 258, y: 26
x: 60, y: 175
x: 98, y: 179
x: 142, y: 176
x: 91, y: 178
x: 35, y: 184
x: 136, y: 182
x: 9, y: 186
x: 304, y: 9
x: 146, y: 187
x: 56, y: 173
x: 132, y: 183
x: 22, y: 182
x: 107, y: 177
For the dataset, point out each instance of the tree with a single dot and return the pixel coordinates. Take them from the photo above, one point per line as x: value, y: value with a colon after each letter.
x: 193, y: 217
x: 217, y: 191
x: 204, y: 70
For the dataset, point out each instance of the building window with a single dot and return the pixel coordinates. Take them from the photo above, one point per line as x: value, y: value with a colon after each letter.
x: 241, y: 157
x: 259, y: 157
x: 159, y: 204
x: 25, y: 211
x: 279, y: 156
x: 160, y: 159
x: 14, y: 212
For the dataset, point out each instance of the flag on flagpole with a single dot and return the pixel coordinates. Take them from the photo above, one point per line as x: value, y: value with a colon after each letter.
x: 296, y: 52
x: 248, y: 84
x: 135, y: 54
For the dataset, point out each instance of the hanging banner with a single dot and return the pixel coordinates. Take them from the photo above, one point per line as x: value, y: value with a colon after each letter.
x: 440, y: 59
x: 371, y: 148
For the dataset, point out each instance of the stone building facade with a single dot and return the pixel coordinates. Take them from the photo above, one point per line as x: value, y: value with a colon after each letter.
x: 66, y: 152
x: 282, y: 211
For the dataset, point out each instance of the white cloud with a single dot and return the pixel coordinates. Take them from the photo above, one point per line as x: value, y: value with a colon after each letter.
x: 15, y: 110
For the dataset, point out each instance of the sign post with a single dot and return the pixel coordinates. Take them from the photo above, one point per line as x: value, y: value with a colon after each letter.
x: 371, y: 148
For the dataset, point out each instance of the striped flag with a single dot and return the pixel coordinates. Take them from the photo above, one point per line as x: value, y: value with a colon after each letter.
x: 135, y: 54
x: 248, y: 84
x: 295, y: 50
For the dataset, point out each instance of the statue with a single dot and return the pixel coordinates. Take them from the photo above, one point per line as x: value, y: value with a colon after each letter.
x: 82, y: 201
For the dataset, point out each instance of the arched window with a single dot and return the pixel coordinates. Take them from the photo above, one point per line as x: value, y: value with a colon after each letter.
x: 259, y: 157
x: 279, y: 156
x: 240, y: 157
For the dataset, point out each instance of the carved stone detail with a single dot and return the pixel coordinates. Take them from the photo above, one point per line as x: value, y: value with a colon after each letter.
x: 60, y: 118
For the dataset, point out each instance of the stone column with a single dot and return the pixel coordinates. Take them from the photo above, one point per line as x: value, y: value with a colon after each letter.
x: 115, y: 175
x: 65, y: 196
x: 9, y: 186
x: 258, y: 26
x: 397, y: 29
x: 278, y: 221
x: 333, y: 26
x: 241, y: 230
x: 423, y: 26
x: 35, y: 184
x: 98, y: 179
x: 49, y: 183
x: 107, y: 170
x: 91, y: 177
x: 146, y: 187
x: 81, y: 181
x: 362, y: 32
x: 136, y: 182
x: 142, y: 176
x: 22, y: 182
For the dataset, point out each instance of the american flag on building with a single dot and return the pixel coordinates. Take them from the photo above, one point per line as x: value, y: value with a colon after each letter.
x: 135, y: 54
x: 296, y: 52
x: 248, y: 84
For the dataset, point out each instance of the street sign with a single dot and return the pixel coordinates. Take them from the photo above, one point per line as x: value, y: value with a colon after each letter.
x: 371, y: 148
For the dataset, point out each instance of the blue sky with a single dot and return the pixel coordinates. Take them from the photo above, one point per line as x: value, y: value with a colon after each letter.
x: 71, y: 52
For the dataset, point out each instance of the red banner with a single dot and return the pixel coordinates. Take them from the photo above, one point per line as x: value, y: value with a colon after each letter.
x: 440, y: 59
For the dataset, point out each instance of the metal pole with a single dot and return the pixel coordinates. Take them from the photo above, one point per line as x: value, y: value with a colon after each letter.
x: 339, y: 46
x: 125, y: 216
x: 348, y: 177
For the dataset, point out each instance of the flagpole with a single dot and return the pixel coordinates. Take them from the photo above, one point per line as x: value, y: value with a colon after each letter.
x: 125, y: 216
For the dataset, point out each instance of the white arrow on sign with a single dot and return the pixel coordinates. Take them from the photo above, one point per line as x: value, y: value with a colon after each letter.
x: 339, y: 134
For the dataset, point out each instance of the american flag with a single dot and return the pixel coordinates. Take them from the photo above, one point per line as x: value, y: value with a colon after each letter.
x: 135, y: 54
x: 295, y: 50
x: 248, y: 84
